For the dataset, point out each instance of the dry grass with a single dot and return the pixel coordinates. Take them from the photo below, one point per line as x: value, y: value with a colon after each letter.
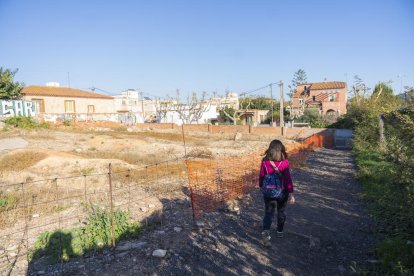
x: 200, y: 153
x: 130, y: 158
x: 157, y: 178
x: 19, y: 161
x: 121, y: 133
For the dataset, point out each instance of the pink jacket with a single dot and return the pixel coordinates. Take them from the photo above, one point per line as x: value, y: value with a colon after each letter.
x: 283, y: 168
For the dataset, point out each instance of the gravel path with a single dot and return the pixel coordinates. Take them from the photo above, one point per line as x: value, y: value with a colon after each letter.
x: 327, y: 233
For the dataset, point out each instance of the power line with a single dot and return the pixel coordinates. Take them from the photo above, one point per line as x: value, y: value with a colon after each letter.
x: 257, y: 89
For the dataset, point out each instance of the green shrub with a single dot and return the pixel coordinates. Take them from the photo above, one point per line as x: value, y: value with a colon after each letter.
x: 24, y: 122
x: 7, y: 201
x: 67, y: 122
x: 397, y: 256
x: 95, y: 234
x: 386, y: 171
x: 390, y: 204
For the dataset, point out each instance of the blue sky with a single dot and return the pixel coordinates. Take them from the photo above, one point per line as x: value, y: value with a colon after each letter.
x: 215, y: 45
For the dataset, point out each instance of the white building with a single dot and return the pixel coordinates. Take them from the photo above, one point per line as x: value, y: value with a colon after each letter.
x: 167, y: 110
x: 131, y: 101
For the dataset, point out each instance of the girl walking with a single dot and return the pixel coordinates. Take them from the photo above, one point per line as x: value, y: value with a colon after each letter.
x: 277, y: 188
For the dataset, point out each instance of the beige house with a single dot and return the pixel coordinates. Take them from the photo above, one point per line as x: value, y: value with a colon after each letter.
x: 329, y: 98
x: 251, y: 116
x: 64, y: 100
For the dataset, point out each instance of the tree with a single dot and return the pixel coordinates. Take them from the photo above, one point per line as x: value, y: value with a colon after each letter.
x: 298, y: 78
x: 382, y: 91
x: 232, y: 113
x: 359, y: 89
x: 193, y: 109
x: 9, y: 90
x: 162, y: 108
x: 228, y: 114
x: 261, y: 103
x: 408, y: 95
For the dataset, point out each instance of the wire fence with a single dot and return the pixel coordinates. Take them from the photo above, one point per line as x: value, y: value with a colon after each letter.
x: 33, y: 208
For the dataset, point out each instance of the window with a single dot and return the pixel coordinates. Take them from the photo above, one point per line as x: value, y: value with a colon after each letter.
x: 331, y: 98
x: 313, y: 98
x: 91, y: 108
x: 70, y: 107
x: 301, y: 101
x: 40, y: 105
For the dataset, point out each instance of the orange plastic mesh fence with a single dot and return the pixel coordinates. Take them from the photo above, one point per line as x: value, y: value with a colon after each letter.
x: 214, y: 182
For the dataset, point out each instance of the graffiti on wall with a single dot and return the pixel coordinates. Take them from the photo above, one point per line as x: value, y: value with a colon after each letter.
x: 127, y: 119
x: 17, y: 108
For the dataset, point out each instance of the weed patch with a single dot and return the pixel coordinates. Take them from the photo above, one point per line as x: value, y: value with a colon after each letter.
x: 7, y: 201
x: 95, y: 234
x: 391, y: 205
x: 24, y: 122
x: 200, y: 153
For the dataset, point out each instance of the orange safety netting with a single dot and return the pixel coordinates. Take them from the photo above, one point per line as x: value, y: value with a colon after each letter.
x: 214, y: 182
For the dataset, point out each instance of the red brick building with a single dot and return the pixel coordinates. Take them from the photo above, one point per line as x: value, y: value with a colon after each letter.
x: 328, y: 97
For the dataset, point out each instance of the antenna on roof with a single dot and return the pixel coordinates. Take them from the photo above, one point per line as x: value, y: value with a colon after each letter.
x: 93, y: 88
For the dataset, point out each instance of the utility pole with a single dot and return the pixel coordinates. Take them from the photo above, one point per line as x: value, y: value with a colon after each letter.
x: 271, y: 99
x: 281, y: 107
x: 142, y: 105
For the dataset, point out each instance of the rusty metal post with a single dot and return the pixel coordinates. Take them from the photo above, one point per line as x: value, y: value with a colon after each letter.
x: 185, y: 148
x: 26, y: 222
x: 111, y: 205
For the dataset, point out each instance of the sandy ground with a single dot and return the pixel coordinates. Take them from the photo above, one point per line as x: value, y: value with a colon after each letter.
x: 69, y: 153
x: 31, y: 156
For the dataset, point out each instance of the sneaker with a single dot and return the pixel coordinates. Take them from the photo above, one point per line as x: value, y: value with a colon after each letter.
x: 279, y: 234
x: 266, y: 239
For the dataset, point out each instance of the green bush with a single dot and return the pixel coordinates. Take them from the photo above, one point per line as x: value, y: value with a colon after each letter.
x: 95, y: 234
x: 24, y: 122
x: 397, y: 256
x: 7, y: 201
x: 67, y: 122
x: 386, y: 172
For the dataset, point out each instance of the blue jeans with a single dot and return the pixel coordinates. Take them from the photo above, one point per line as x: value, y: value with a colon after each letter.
x: 270, y: 207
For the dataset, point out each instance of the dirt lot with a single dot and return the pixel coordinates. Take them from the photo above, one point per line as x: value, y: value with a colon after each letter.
x: 49, y: 175
x: 40, y: 154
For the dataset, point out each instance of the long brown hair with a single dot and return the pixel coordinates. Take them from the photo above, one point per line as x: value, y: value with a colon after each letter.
x: 276, y: 151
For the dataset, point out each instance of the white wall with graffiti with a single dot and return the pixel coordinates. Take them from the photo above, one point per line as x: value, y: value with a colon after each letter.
x: 17, y: 108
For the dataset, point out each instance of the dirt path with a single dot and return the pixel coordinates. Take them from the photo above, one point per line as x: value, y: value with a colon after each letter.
x: 327, y: 232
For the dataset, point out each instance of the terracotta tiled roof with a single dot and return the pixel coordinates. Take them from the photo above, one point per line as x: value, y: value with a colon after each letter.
x: 318, y: 98
x: 52, y: 91
x: 326, y: 85
x: 320, y: 86
x: 298, y: 94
